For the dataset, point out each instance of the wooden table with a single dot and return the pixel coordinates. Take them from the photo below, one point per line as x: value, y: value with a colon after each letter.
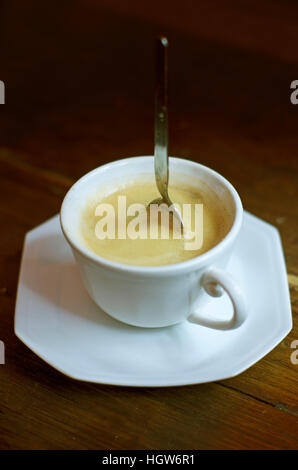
x: 79, y: 92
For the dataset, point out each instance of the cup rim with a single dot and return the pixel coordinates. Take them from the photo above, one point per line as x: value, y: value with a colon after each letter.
x: 190, y: 265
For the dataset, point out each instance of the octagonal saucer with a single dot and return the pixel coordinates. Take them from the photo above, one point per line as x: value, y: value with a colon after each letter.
x: 58, y: 321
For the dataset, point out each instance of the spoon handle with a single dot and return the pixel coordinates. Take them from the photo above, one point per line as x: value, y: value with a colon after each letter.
x: 161, y: 117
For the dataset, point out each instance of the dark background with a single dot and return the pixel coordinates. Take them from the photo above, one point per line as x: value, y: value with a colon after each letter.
x: 79, y: 92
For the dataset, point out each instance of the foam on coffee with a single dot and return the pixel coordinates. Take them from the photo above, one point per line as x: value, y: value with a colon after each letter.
x: 155, y: 252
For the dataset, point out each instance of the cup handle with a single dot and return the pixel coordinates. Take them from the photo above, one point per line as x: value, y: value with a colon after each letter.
x: 214, y: 282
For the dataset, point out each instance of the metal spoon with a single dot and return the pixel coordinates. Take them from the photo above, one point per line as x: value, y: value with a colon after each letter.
x: 161, y: 159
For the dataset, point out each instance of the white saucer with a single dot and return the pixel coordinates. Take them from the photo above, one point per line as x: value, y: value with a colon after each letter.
x: 57, y: 320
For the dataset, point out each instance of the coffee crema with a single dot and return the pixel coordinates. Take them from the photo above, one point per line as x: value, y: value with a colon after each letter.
x: 214, y: 225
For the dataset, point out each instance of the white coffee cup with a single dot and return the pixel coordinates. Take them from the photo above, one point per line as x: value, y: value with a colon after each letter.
x: 156, y: 296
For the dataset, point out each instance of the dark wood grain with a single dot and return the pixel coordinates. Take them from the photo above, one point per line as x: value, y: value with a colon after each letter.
x: 79, y: 92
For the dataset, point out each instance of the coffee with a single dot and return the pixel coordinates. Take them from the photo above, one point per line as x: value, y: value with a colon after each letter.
x: 136, y: 246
